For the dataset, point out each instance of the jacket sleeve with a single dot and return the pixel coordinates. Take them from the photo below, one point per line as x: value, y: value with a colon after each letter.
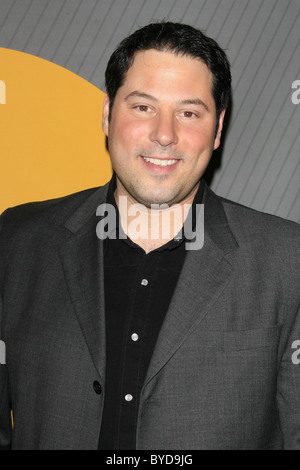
x: 5, y: 408
x: 288, y: 388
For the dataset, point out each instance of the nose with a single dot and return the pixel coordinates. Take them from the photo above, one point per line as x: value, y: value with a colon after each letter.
x: 164, y: 130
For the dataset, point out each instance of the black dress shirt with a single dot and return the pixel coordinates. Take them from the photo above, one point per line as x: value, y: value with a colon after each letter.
x: 138, y: 291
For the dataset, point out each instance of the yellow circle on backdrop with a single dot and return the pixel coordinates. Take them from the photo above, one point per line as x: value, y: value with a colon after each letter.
x: 51, y: 140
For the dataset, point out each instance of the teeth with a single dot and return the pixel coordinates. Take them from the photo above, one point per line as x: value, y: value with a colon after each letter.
x: 157, y: 161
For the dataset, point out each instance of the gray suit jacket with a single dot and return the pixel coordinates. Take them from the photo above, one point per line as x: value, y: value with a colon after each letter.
x: 222, y: 374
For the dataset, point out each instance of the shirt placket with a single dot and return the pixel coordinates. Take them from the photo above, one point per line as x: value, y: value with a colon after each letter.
x: 136, y: 339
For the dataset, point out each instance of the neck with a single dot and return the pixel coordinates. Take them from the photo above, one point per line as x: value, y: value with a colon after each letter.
x: 152, y: 227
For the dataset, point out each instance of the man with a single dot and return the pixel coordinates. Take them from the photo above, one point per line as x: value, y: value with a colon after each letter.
x: 119, y: 339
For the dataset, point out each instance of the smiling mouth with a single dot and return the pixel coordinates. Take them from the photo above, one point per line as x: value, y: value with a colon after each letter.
x: 159, y: 162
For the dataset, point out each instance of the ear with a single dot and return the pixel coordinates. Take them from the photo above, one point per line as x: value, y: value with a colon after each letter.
x: 105, y: 114
x: 219, y: 131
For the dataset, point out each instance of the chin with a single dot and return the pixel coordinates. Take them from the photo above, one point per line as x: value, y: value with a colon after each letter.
x: 149, y: 194
x: 147, y: 200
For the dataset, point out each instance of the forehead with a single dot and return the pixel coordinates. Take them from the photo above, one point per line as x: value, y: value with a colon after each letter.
x: 165, y: 68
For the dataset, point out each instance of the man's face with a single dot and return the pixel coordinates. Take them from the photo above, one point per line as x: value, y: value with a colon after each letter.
x: 162, y: 129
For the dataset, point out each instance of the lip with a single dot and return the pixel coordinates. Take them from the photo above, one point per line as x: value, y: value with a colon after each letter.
x: 160, y: 169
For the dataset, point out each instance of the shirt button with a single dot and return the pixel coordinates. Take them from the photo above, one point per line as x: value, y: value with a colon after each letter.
x: 144, y: 282
x: 134, y: 336
x: 97, y: 387
x: 128, y: 397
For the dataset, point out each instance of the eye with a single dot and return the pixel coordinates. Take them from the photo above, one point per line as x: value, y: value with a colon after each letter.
x: 189, y: 114
x: 143, y: 108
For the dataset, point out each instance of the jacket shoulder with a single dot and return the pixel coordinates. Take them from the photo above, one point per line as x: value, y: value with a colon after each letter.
x: 28, y: 225
x: 43, y: 225
x: 55, y: 210
x: 241, y: 211
x: 21, y: 212
x: 250, y: 224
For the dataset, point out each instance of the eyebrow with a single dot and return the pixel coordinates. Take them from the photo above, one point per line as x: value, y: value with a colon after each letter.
x: 196, y: 101
x: 138, y: 94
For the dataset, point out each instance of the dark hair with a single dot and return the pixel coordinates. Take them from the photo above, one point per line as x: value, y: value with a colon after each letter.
x: 180, y: 39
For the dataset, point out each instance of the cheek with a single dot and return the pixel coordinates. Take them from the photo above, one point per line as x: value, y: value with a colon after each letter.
x: 138, y: 132
x: 125, y: 138
x: 127, y: 129
x: 197, y: 141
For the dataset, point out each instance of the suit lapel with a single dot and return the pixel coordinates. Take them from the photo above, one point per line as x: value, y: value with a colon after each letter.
x: 82, y: 259
x: 204, y: 276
